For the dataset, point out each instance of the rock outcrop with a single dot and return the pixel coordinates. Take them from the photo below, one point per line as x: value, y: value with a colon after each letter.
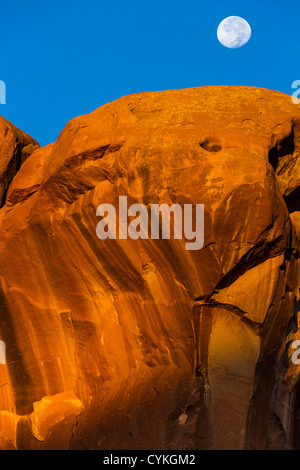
x: 15, y: 148
x: 141, y: 344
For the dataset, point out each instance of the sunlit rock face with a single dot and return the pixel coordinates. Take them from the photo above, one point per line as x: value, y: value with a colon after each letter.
x: 15, y: 148
x: 141, y: 344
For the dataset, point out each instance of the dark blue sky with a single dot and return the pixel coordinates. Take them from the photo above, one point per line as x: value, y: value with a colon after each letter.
x: 63, y: 58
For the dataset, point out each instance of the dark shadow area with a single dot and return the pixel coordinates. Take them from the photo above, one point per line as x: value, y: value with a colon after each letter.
x: 296, y: 430
x: 281, y: 149
x: 293, y: 200
x: 210, y: 146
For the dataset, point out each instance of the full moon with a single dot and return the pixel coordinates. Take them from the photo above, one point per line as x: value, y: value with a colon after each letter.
x: 234, y: 32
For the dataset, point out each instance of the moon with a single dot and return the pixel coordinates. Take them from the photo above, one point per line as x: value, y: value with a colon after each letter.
x: 234, y: 32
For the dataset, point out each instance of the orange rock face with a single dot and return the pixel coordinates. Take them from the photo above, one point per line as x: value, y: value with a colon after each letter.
x: 16, y: 146
x: 142, y: 344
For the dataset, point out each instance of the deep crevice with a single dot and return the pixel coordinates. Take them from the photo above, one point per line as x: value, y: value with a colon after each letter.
x: 281, y: 149
x: 292, y: 200
x: 12, y: 169
x: 248, y: 261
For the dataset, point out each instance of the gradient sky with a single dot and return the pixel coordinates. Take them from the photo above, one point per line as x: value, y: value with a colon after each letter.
x: 60, y: 59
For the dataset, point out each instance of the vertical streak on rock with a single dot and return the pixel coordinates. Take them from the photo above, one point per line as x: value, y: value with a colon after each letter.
x: 19, y: 377
x: 200, y: 405
x: 202, y: 321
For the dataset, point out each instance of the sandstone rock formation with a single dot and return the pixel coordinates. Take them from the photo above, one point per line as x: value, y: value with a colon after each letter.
x: 15, y: 148
x: 141, y: 344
